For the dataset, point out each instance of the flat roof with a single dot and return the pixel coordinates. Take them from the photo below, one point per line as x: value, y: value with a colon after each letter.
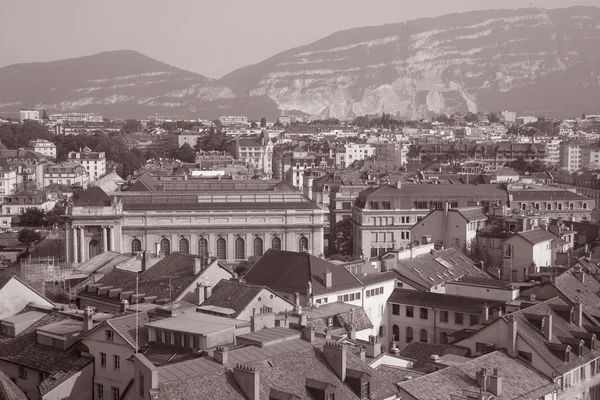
x: 64, y: 327
x: 187, y: 369
x: 196, y: 323
x: 269, y: 336
x: 217, y: 309
x: 25, y: 317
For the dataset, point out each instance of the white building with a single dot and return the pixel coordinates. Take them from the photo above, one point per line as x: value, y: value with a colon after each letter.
x: 94, y: 162
x: 30, y: 114
x: 357, y: 152
x: 76, y: 117
x: 44, y: 147
x: 233, y: 120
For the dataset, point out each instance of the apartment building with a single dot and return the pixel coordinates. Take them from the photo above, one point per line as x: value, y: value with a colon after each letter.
x: 551, y: 202
x: 8, y: 180
x: 256, y: 152
x: 233, y: 120
x: 94, y: 162
x: 44, y: 147
x: 67, y: 173
x: 574, y: 154
x: 29, y: 114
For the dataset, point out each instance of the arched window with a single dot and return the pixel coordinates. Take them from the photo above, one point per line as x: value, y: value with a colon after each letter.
x: 423, y: 336
x: 276, y: 243
x: 203, y: 247
x: 560, y: 206
x: 303, y: 244
x: 585, y: 206
x: 240, y: 251
x: 396, y: 333
x: 165, y: 247
x: 409, y: 334
x: 221, y: 249
x: 136, y: 246
x: 443, y: 338
x: 184, y: 246
x: 94, y: 248
x: 258, y: 247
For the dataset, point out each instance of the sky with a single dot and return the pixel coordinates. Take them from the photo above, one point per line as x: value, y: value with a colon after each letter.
x: 210, y: 37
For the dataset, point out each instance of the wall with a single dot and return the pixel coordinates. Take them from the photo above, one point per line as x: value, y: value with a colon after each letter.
x: 213, y: 273
x: 77, y: 387
x: 481, y: 292
x: 14, y: 296
x: 267, y: 299
x: 29, y: 385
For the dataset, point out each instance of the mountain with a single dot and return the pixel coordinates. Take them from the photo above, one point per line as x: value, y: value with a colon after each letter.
x: 520, y: 59
x: 121, y: 84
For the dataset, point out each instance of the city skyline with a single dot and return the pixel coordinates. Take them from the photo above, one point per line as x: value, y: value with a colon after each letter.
x: 240, y: 35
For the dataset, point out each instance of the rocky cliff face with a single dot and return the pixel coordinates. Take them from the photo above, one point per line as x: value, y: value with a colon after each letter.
x: 121, y: 84
x: 524, y: 60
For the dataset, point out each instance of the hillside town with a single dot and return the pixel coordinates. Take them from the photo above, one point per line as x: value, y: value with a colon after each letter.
x: 450, y: 258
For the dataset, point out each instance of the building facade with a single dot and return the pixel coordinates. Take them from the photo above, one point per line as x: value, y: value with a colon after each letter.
x: 68, y: 173
x: 94, y: 162
x: 44, y: 147
x: 29, y: 115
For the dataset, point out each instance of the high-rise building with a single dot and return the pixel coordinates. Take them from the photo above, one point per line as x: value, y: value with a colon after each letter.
x: 29, y: 114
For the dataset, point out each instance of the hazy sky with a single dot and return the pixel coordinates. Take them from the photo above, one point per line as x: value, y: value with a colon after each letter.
x: 211, y: 37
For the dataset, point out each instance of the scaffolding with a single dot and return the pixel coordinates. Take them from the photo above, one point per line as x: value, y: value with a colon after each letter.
x: 38, y: 271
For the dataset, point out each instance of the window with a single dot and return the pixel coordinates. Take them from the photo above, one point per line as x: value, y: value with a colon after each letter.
x: 165, y: 247
x: 374, y: 205
x: 457, y: 243
x: 103, y: 360
x: 203, y: 247
x: 364, y: 390
x: 221, y: 248
x: 346, y: 205
x: 396, y: 309
x: 373, y: 252
x: 276, y: 243
x: 387, y: 205
x: 258, y: 247
x: 443, y: 338
x: 474, y: 319
x: 458, y: 318
x: 303, y: 244
x: 116, y: 362
x: 443, y: 316
x: 184, y: 246
x: 423, y: 314
x: 409, y: 334
x: 110, y: 335
x: 136, y: 246
x: 525, y: 356
x: 99, y: 391
x: 395, y: 333
x: 484, y: 348
x: 330, y: 396
x: 240, y: 251
x: 423, y: 336
x: 410, y: 311
x: 115, y: 393
x: 22, y: 373
x: 381, y: 331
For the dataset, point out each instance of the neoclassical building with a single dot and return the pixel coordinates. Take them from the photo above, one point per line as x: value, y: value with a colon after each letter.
x: 230, y: 220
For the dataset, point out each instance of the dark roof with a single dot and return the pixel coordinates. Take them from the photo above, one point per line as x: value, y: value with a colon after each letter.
x: 290, y: 272
x: 440, y: 301
x: 471, y: 213
x: 234, y: 295
x: 482, y: 281
x: 519, y: 381
x: 542, y: 195
x: 93, y: 196
x: 125, y: 327
x: 9, y: 390
x: 536, y: 236
x: 26, y: 351
x: 422, y: 352
x: 397, y: 374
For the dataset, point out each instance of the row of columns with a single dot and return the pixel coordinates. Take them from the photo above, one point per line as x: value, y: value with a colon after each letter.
x: 78, y: 239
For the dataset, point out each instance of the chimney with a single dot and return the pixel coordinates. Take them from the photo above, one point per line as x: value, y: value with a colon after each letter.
x: 482, y: 379
x: 398, y: 184
x: 351, y: 331
x: 197, y: 266
x: 578, y: 314
x: 221, y: 354
x: 547, y: 326
x: 579, y: 274
x: 308, y: 334
x: 485, y: 314
x: 512, y: 335
x: 495, y: 383
x: 207, y: 291
x: 297, y: 306
x: 88, y: 318
x: 200, y: 292
x: 327, y: 278
x: 247, y: 379
x: 335, y: 355
x: 496, y: 313
x: 144, y: 260
x: 124, y: 305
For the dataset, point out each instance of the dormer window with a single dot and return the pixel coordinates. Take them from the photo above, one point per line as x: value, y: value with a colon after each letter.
x: 365, y: 390
x: 109, y: 335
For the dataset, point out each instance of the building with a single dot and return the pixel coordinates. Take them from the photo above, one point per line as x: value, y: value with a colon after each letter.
x: 508, y: 117
x: 551, y: 337
x: 67, y: 173
x: 525, y: 253
x: 76, y: 117
x: 257, y: 153
x: 389, y: 150
x: 383, y: 216
x: 451, y: 227
x: 15, y: 295
x: 187, y: 276
x: 230, y: 220
x: 8, y: 180
x: 552, y: 203
x: 233, y: 120
x: 29, y: 115
x: 44, y: 147
x: 94, y: 162
x: 275, y: 363
x: 492, y: 376
x: 574, y: 155
x: 356, y: 152
x: 188, y: 138
x: 18, y: 202
x: 208, y: 159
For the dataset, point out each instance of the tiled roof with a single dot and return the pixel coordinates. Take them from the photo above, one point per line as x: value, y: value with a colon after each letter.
x: 519, y: 381
x: 372, y: 279
x: 93, y: 196
x: 397, y: 374
x: 440, y: 301
x: 545, y: 195
x: 290, y: 272
x: 481, y: 281
x: 106, y: 261
x: 428, y: 270
x: 154, y: 281
x: 471, y: 213
x: 125, y: 327
x: 342, y: 314
x: 421, y: 353
x: 108, y: 183
x: 26, y: 351
x: 537, y: 236
x: 196, y: 323
x: 9, y: 390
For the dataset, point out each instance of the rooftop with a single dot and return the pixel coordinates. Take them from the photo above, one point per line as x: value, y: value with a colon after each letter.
x: 439, y: 301
x: 196, y: 323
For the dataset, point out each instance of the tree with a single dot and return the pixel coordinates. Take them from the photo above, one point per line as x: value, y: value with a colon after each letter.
x: 244, y: 266
x: 45, y: 116
x: 263, y: 122
x: 184, y: 153
x: 253, y: 125
x: 55, y: 217
x: 212, y: 142
x: 132, y: 126
x: 32, y: 217
x: 494, y: 118
x: 27, y: 236
x: 343, y: 237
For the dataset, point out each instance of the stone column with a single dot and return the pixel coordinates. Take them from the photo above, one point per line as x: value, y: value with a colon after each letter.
x: 75, y: 249
x: 82, y: 244
x: 104, y: 239
x: 67, y: 249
